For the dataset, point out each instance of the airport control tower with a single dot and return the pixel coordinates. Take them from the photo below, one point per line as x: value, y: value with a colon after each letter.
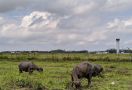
x: 117, y: 45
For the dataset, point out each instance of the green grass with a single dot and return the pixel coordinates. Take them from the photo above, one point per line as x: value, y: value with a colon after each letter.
x: 65, y: 57
x: 56, y: 76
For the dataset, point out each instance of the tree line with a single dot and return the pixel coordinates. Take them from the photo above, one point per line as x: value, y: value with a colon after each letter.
x: 64, y: 51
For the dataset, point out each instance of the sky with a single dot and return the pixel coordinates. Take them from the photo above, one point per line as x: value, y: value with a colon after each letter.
x: 65, y: 24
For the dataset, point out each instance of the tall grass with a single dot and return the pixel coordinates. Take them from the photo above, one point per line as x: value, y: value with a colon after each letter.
x: 66, y: 57
x: 56, y: 76
x: 57, y: 70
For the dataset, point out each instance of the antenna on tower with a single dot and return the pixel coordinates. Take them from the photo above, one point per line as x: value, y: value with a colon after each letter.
x: 117, y: 45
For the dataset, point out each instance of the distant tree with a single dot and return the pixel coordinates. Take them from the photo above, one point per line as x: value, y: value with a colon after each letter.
x: 111, y: 50
x: 83, y: 51
x: 63, y: 51
x: 57, y: 51
x: 126, y: 50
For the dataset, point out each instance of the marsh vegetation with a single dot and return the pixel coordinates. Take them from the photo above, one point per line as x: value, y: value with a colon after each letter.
x: 57, y: 70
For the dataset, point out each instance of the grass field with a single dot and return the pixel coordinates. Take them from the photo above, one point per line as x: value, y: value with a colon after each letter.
x: 56, y: 75
x: 65, y: 57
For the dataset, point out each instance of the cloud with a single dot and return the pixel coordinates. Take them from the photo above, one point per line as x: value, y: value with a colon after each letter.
x: 65, y: 7
x: 120, y: 25
x: 66, y: 24
x: 77, y: 22
x: 10, y: 5
x: 1, y: 20
x: 84, y: 8
x: 120, y: 5
x: 114, y: 24
x: 43, y: 28
x: 40, y: 20
x: 34, y: 23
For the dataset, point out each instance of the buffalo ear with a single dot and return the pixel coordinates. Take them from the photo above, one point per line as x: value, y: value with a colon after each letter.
x: 95, y: 69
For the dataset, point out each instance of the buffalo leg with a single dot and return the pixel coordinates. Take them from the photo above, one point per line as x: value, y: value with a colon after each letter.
x: 89, y: 79
x: 30, y: 70
x: 72, y: 81
x: 20, y: 71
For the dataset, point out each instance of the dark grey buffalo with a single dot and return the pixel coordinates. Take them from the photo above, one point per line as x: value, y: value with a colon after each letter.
x: 28, y: 66
x: 85, y: 70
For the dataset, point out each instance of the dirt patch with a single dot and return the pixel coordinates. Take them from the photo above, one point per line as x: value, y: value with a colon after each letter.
x: 112, y: 67
x: 108, y: 70
x: 22, y: 89
x: 121, y: 71
x: 124, y: 72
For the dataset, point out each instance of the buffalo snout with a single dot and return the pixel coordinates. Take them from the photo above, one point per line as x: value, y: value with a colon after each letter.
x: 40, y: 69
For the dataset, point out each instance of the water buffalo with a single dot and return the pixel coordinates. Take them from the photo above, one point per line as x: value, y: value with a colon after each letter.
x: 28, y: 66
x: 85, y: 70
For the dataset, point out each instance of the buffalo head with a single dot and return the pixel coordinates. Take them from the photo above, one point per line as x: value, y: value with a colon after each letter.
x: 97, y: 70
x: 40, y: 69
x: 77, y: 84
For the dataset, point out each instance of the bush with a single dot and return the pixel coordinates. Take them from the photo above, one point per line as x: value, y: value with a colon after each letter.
x: 11, y: 82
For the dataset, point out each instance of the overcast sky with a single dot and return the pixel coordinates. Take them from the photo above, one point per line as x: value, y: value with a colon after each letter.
x: 65, y: 24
